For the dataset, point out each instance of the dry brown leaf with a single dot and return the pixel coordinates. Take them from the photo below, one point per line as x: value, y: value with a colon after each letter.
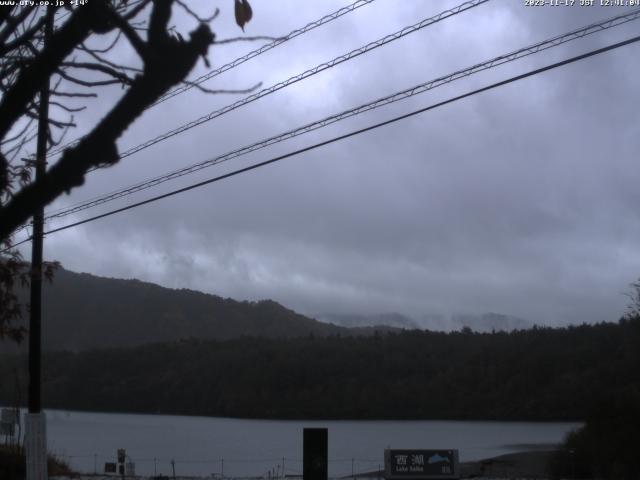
x: 243, y: 13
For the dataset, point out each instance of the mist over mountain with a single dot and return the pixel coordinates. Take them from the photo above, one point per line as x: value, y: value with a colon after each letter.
x: 395, y: 320
x: 485, y: 322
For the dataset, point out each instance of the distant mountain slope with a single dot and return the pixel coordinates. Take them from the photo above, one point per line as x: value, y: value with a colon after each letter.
x: 82, y: 311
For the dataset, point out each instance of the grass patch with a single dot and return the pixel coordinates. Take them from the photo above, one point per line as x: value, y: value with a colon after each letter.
x: 13, y: 464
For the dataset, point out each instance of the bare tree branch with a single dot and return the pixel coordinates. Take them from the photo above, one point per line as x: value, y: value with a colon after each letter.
x: 167, y: 62
x: 104, y: 61
x: 23, y: 38
x: 61, y: 44
x: 136, y: 10
x: 108, y: 47
x: 73, y: 94
x: 18, y: 135
x: 12, y: 23
x: 67, y: 108
x: 121, y: 77
x: 87, y: 83
x: 194, y: 15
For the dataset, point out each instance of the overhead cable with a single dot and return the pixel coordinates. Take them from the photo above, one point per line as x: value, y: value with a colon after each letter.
x: 347, y: 135
x: 244, y: 58
x: 258, y: 51
x: 306, y: 74
x: 421, y: 88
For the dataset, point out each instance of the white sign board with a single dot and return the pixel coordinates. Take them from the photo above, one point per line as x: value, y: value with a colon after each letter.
x: 421, y: 464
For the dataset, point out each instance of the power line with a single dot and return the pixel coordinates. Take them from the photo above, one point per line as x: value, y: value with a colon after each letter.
x: 348, y: 135
x: 421, y: 88
x: 278, y: 41
x: 306, y: 74
x: 240, y: 60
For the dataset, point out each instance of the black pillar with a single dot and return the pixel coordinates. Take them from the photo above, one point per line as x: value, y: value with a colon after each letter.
x: 315, y: 458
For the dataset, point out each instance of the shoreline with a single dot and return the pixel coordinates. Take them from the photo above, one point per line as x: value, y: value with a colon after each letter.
x: 521, y: 464
x: 525, y: 464
x: 68, y: 411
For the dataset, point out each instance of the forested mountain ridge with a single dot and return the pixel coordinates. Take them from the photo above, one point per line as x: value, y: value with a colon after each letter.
x: 537, y: 374
x: 83, y: 311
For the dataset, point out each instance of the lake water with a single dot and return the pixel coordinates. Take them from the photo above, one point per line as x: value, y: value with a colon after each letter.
x: 234, y: 447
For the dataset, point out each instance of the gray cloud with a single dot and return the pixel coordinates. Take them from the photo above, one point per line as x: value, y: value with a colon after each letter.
x: 522, y: 200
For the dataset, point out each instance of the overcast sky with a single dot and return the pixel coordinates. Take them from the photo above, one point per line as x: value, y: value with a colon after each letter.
x: 523, y: 200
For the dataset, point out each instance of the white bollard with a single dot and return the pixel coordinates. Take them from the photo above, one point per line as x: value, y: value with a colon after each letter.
x: 36, y: 446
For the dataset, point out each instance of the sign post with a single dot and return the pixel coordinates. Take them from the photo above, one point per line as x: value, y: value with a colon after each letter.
x: 315, y: 458
x: 421, y: 464
x: 35, y: 445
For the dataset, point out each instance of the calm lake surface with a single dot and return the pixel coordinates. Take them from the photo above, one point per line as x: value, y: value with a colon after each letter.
x: 211, y: 446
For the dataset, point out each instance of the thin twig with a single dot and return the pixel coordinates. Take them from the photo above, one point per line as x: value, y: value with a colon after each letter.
x: 73, y: 94
x: 85, y: 83
x: 196, y: 16
x: 67, y: 109
x: 107, y: 70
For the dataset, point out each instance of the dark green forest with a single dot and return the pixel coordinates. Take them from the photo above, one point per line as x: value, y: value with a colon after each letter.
x: 537, y: 374
x: 607, y: 445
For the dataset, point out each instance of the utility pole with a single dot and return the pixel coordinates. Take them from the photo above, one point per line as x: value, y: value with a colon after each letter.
x: 36, y: 439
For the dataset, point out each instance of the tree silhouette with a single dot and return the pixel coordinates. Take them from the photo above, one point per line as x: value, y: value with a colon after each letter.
x: 633, y: 309
x: 75, y: 70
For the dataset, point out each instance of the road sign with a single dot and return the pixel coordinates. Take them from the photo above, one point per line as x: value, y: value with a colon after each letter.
x: 418, y: 464
x: 121, y: 455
